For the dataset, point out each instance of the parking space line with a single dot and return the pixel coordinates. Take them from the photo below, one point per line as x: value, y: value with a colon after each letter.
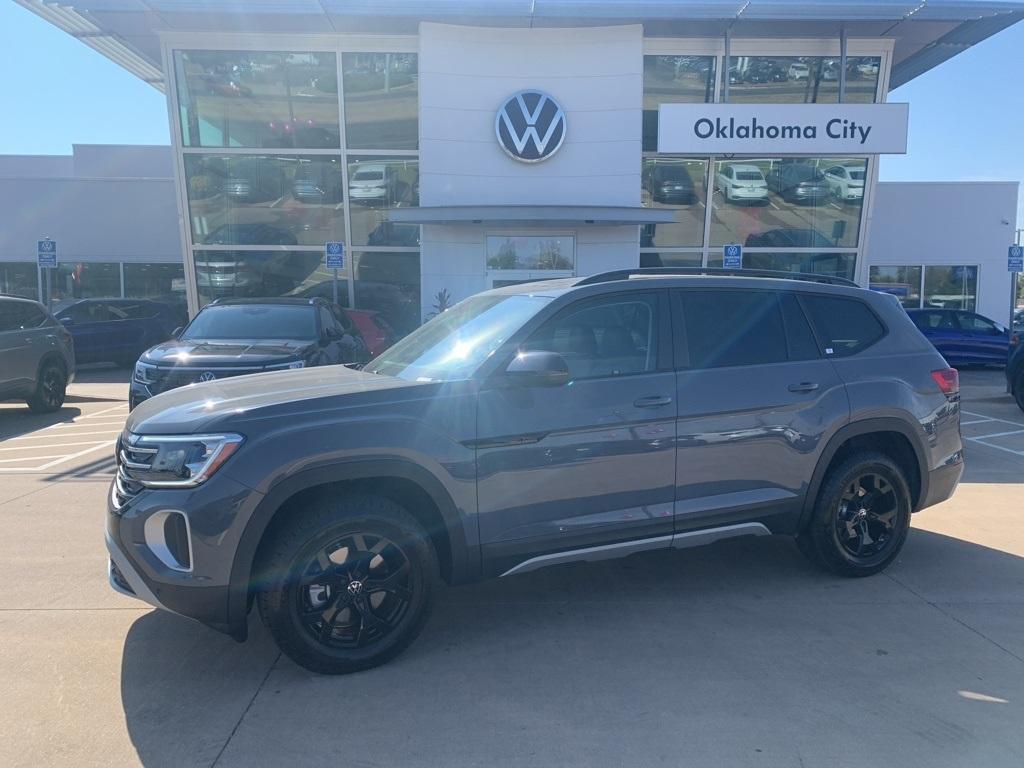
x: 105, y: 410
x: 980, y: 441
x: 73, y: 424
x: 976, y: 421
x: 31, y: 458
x: 50, y: 436
x: 1000, y: 434
x: 61, y: 460
x: 62, y: 445
x: 993, y: 418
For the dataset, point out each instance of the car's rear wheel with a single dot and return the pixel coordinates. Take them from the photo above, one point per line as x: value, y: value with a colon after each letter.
x: 862, y: 516
x: 348, y: 584
x: 51, y: 389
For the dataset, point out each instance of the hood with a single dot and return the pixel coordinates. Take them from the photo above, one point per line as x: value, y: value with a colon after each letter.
x: 286, y: 394
x: 214, y: 353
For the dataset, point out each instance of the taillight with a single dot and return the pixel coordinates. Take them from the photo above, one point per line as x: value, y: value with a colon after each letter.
x: 948, y: 380
x: 1014, y: 339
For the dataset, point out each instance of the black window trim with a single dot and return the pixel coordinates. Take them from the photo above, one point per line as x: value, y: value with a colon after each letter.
x: 817, y: 333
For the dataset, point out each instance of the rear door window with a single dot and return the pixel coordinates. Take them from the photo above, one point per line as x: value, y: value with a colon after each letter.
x: 729, y: 328
x: 844, y: 326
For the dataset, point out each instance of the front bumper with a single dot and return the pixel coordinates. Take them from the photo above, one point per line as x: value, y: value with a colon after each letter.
x: 217, y: 512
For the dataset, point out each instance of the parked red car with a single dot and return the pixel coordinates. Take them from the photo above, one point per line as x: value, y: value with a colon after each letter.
x: 374, y: 329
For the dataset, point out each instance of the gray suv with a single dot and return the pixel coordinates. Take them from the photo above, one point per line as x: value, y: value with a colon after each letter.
x: 577, y: 419
x: 37, y: 355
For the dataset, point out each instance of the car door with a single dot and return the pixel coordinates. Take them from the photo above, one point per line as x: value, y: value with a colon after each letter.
x: 17, y: 356
x: 592, y: 462
x: 87, y: 322
x: 755, y: 397
x: 983, y: 340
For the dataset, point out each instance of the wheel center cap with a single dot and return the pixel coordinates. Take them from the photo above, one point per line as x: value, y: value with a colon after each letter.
x: 355, y: 587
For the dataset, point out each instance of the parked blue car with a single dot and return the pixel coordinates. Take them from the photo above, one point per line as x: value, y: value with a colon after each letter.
x: 117, y: 330
x: 963, y: 338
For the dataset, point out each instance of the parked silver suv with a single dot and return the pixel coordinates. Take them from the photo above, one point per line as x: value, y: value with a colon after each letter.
x: 37, y: 355
x: 568, y: 420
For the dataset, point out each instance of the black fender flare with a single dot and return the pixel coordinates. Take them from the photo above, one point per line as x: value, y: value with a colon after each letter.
x: 854, y: 429
x: 465, y: 555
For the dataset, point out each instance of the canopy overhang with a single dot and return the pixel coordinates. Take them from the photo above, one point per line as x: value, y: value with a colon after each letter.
x: 925, y: 32
x: 530, y: 215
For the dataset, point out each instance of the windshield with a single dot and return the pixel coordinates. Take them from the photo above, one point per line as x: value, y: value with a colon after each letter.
x: 857, y: 175
x: 749, y: 176
x: 247, y: 321
x: 368, y: 175
x: 456, y: 342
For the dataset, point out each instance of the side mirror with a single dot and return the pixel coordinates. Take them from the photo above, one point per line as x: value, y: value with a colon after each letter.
x: 538, y: 368
x: 64, y: 320
x: 177, y: 331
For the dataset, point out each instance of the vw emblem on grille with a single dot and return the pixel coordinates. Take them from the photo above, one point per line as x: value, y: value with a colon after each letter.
x: 530, y: 126
x: 207, y: 376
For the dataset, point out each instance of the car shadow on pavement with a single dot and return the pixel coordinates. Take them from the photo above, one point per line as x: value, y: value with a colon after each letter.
x: 680, y: 638
x: 18, y: 420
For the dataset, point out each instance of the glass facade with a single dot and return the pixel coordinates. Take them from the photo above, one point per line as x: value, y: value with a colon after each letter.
x: 259, y: 219
x: 801, y: 79
x: 19, y: 278
x: 935, y: 286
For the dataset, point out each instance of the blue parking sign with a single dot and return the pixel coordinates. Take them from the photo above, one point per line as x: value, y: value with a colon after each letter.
x: 46, y: 253
x: 1015, y: 259
x: 732, y: 257
x: 335, y: 253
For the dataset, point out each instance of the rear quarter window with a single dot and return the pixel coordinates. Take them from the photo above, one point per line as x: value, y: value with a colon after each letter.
x: 844, y: 326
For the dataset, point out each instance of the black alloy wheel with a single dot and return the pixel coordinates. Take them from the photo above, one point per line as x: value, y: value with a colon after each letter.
x: 346, y: 583
x: 866, y: 520
x: 861, y: 517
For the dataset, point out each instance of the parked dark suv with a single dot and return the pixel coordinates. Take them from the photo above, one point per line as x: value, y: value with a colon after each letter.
x: 576, y: 419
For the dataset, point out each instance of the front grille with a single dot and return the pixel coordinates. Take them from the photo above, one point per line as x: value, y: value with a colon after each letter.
x: 131, y: 459
x: 164, y: 379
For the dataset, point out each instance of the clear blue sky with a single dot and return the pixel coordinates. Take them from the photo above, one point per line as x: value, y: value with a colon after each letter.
x: 965, y: 116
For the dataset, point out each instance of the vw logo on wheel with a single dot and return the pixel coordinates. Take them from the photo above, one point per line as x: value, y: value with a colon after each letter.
x: 207, y: 376
x: 530, y: 126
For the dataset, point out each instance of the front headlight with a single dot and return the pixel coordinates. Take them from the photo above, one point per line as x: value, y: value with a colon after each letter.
x: 176, y: 461
x: 144, y: 373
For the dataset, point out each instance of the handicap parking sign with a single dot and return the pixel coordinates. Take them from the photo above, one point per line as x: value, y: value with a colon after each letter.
x: 335, y: 253
x: 732, y: 257
x: 1015, y: 259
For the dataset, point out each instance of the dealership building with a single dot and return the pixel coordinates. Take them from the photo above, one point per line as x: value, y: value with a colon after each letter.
x: 455, y: 146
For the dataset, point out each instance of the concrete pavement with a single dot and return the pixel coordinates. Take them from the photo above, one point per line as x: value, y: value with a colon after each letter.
x: 739, y: 654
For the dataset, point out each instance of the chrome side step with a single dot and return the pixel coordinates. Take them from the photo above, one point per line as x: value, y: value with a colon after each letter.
x: 621, y: 549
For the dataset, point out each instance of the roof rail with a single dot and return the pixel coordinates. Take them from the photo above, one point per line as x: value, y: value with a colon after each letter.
x: 625, y: 274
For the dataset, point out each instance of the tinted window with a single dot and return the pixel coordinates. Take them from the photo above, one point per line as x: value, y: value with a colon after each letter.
x: 799, y: 336
x: 253, y: 321
x: 136, y: 311
x: 19, y: 315
x: 976, y: 323
x: 610, y: 336
x: 733, y: 328
x: 327, y: 321
x: 381, y: 100
x: 845, y: 326
x: 90, y: 312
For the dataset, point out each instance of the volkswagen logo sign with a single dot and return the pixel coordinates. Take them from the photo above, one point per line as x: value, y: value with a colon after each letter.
x: 530, y: 126
x: 207, y: 376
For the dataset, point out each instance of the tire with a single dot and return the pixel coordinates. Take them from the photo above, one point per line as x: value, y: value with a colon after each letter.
x: 836, y: 532
x: 317, y: 620
x: 1018, y: 390
x: 51, y: 388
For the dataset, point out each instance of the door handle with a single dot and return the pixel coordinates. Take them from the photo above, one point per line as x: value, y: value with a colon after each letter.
x: 803, y: 386
x: 652, y: 402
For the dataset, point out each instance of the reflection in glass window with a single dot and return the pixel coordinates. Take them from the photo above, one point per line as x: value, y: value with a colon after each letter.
x: 19, y: 279
x: 388, y: 282
x: 84, y: 280
x: 801, y: 202
x: 161, y: 282
x: 674, y: 80
x: 651, y: 259
x: 263, y: 200
x: 902, y: 282
x: 376, y: 183
x: 801, y: 79
x: 538, y: 253
x: 254, y: 99
x: 381, y: 100
x: 250, y: 274
x: 675, y: 184
x: 951, y: 287
x: 831, y: 264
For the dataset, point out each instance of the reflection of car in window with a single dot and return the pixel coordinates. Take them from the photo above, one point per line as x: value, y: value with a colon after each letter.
x: 670, y: 183
x: 371, y: 183
x: 317, y: 183
x: 250, y: 234
x: 845, y: 182
x: 390, y: 233
x: 742, y: 184
x: 798, y: 183
x: 799, y: 71
x: 255, y: 181
x: 785, y: 237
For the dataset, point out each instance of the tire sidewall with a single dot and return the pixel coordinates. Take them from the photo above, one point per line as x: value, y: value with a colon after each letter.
x: 38, y: 400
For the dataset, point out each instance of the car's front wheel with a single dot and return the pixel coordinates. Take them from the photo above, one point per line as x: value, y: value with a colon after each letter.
x: 862, y: 516
x: 347, y: 583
